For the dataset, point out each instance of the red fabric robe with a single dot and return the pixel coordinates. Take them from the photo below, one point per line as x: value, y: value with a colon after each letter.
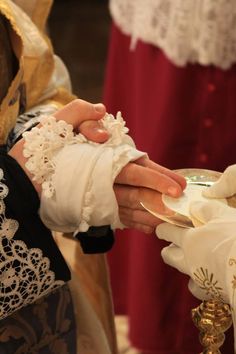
x: 182, y: 117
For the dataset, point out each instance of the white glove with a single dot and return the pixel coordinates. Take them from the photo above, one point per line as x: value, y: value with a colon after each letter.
x: 225, y: 186
x: 206, y: 253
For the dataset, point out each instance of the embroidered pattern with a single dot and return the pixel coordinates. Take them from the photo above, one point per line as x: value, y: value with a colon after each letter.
x: 231, y: 263
x: 48, y: 326
x: 25, y: 273
x: 207, y: 283
x: 202, y: 31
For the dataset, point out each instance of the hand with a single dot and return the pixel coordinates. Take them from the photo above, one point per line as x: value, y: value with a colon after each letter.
x: 144, y: 180
x: 84, y: 117
x: 225, y: 186
x: 206, y: 253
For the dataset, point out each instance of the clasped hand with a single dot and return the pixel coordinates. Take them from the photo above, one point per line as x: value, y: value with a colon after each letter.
x: 140, y: 180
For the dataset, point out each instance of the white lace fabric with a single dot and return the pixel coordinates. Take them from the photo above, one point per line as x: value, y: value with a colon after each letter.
x: 42, y: 144
x: 199, y: 31
x: 25, y: 273
x: 77, y: 175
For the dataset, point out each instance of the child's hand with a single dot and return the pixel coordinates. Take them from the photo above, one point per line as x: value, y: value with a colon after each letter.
x: 94, y: 131
x: 84, y: 117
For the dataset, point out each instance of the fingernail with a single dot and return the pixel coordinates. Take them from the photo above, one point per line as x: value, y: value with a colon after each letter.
x: 172, y: 191
x: 99, y: 107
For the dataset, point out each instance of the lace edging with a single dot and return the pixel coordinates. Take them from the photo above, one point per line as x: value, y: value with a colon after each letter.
x: 43, y: 143
x: 41, y: 146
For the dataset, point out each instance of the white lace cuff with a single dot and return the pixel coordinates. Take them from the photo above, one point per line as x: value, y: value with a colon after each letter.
x: 41, y: 146
x: 77, y: 175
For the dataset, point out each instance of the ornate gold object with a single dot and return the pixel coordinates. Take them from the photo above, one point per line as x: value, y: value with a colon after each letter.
x: 212, y: 318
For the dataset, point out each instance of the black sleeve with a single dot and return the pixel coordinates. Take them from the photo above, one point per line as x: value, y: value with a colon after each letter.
x: 96, y: 239
x: 31, y: 264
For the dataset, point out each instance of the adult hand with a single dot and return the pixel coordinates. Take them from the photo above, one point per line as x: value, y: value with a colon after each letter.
x: 225, y: 186
x: 144, y: 180
x: 206, y: 253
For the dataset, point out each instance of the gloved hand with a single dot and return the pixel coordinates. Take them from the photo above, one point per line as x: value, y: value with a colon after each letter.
x: 225, y: 186
x: 206, y: 253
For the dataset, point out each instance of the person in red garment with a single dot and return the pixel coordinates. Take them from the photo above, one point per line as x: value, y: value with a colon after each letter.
x: 171, y: 71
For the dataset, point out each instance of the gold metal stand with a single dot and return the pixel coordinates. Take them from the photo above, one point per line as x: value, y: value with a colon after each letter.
x: 212, y: 318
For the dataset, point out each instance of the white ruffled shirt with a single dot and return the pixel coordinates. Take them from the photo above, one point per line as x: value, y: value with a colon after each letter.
x: 77, y: 175
x: 188, y: 31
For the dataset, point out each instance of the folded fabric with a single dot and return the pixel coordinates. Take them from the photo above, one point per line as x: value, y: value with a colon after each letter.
x: 77, y: 175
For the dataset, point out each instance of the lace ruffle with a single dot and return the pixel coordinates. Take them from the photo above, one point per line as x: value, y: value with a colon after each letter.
x: 42, y: 144
x: 200, y: 31
x: 75, y: 199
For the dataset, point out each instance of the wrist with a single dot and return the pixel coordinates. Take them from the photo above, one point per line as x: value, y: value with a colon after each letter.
x: 16, y: 152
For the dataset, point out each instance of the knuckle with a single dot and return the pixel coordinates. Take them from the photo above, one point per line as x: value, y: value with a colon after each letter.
x: 76, y: 103
x: 133, y: 199
x: 128, y: 214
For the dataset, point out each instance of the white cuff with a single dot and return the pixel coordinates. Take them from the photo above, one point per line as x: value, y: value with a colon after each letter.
x: 78, y: 175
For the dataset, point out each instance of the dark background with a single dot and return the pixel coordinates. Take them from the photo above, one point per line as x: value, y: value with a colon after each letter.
x: 79, y: 30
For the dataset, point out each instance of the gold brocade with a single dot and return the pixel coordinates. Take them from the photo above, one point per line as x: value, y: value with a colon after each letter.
x: 10, y: 105
x: 47, y: 325
x: 34, y: 53
x: 61, y: 98
x: 37, y: 10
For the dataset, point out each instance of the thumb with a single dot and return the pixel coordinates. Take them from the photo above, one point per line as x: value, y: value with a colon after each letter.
x: 225, y: 186
x: 79, y: 111
x: 94, y: 131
